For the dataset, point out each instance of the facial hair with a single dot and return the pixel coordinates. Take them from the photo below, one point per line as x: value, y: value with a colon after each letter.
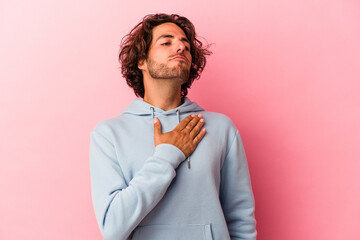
x: 162, y: 71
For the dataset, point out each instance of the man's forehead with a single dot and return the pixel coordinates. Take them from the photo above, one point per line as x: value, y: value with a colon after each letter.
x: 167, y: 30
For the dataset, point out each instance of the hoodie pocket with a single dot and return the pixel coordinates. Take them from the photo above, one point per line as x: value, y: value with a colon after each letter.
x: 173, y: 232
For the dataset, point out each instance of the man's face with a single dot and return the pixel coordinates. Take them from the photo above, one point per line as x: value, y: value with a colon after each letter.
x: 169, y: 54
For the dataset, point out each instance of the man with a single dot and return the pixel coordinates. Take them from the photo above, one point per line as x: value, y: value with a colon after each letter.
x: 156, y: 172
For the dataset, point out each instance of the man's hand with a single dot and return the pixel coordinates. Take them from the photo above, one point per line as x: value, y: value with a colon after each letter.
x: 186, y: 136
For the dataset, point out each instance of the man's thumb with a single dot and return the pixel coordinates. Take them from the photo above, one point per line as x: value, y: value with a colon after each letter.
x: 157, y: 127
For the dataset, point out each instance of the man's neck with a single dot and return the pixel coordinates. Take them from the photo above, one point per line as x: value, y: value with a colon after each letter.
x: 163, y: 94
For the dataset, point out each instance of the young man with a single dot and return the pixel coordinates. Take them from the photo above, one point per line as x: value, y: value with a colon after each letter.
x: 156, y: 172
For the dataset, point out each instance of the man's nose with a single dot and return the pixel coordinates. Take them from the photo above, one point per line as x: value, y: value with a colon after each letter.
x: 180, y: 47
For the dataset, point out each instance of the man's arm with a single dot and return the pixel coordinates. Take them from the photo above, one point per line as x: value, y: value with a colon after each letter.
x: 120, y: 207
x: 236, y: 193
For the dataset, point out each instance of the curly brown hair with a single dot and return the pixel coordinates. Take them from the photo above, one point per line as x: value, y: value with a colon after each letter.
x: 135, y: 46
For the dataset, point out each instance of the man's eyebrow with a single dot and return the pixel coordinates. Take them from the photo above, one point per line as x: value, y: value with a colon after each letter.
x: 184, y: 39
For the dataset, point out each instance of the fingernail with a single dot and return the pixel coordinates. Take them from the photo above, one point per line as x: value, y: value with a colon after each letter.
x: 155, y: 120
x: 202, y: 120
x: 199, y: 115
x: 193, y: 115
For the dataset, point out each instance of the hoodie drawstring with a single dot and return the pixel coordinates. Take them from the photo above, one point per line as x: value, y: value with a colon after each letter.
x: 152, y: 111
x: 178, y: 118
x: 178, y: 115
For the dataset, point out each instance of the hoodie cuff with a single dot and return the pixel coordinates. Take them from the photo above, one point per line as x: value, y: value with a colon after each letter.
x: 169, y: 153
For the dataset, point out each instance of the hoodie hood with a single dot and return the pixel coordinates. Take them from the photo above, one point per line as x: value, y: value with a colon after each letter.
x: 142, y: 108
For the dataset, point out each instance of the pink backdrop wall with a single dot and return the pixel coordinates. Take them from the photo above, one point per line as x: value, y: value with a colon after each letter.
x: 286, y: 72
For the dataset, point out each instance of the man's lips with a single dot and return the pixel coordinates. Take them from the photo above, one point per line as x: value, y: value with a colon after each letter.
x: 180, y: 58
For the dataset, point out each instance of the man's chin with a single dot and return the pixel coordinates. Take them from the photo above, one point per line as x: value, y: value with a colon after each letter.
x: 178, y: 73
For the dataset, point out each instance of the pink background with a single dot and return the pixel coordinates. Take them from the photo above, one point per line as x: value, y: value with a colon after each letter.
x: 286, y: 72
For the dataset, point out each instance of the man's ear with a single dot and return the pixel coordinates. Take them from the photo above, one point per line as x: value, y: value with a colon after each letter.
x: 142, y: 64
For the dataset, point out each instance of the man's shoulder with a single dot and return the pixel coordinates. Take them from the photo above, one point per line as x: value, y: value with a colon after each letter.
x: 107, y: 126
x: 218, y: 118
x: 116, y: 120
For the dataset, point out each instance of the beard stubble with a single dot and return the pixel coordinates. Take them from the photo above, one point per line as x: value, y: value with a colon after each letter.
x: 162, y: 71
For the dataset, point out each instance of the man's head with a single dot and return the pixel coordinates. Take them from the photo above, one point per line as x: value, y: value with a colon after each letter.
x: 169, y: 55
x: 160, y: 30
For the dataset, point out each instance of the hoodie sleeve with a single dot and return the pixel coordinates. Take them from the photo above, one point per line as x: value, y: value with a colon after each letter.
x: 120, y: 206
x: 236, y: 193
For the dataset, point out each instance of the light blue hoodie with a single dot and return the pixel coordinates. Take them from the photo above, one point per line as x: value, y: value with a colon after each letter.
x: 140, y: 191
